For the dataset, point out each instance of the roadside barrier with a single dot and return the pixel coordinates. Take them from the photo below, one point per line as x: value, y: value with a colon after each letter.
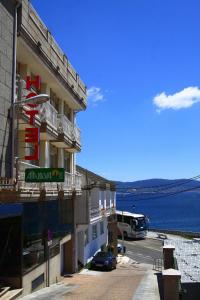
x: 158, y: 264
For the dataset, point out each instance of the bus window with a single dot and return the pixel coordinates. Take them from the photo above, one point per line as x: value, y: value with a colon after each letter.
x: 132, y: 224
x: 127, y: 220
x: 119, y: 218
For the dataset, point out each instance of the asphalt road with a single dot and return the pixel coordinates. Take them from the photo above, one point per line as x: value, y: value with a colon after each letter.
x: 143, y: 251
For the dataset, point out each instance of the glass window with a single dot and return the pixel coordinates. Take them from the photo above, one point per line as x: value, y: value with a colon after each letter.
x: 119, y: 218
x: 94, y: 231
x: 86, y: 237
x: 101, y: 228
x: 127, y: 220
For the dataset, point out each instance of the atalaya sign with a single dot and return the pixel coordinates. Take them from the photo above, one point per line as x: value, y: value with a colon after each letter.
x: 45, y: 175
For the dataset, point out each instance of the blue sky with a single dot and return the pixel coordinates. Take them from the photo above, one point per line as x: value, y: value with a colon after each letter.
x: 140, y: 60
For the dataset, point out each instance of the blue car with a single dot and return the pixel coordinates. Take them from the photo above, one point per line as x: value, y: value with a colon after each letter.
x: 104, y: 260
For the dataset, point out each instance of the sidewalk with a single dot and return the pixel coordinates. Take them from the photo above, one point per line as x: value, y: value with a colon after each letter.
x: 148, y: 288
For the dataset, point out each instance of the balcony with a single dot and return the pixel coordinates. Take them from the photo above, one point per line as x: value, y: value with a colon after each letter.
x: 48, y: 114
x: 69, y: 129
x: 95, y: 212
x: 72, y: 182
x: 7, y: 184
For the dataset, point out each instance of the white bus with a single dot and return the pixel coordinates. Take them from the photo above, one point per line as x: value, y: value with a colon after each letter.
x: 131, y: 225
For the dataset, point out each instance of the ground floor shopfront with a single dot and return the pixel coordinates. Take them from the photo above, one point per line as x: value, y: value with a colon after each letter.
x: 37, y: 245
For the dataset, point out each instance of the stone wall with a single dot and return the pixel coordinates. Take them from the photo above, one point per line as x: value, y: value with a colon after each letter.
x: 6, y: 53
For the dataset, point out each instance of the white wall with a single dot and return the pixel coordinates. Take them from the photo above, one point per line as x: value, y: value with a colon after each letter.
x: 54, y: 275
x: 94, y: 245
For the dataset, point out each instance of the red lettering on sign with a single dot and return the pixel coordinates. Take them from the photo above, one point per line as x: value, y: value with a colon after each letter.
x: 35, y: 82
x: 35, y: 155
x: 32, y: 135
x: 31, y: 114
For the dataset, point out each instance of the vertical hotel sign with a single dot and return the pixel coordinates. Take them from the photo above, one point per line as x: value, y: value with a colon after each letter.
x: 32, y: 134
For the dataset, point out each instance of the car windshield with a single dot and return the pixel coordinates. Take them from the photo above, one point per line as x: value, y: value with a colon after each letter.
x: 102, y: 254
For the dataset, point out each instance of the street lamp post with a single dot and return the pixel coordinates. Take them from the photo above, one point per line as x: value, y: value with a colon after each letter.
x: 123, y: 231
x: 37, y: 99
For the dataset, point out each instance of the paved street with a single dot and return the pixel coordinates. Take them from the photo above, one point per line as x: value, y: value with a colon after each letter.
x: 143, y: 251
x: 123, y: 283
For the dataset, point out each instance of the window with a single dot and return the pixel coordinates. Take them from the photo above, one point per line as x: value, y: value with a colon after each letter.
x: 67, y: 159
x: 67, y: 111
x: 53, y: 156
x: 54, y: 101
x: 119, y: 218
x: 94, y: 231
x: 127, y: 220
x: 101, y: 228
x: 86, y: 237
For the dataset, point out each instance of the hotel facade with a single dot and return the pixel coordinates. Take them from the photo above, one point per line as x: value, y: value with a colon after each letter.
x: 37, y: 220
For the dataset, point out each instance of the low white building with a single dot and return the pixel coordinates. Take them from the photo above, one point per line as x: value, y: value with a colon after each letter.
x: 94, y: 211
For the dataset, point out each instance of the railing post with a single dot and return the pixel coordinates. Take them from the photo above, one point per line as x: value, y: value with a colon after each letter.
x: 168, y: 256
x: 171, y: 284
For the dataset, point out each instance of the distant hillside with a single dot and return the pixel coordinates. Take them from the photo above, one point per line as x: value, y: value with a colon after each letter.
x: 162, y: 185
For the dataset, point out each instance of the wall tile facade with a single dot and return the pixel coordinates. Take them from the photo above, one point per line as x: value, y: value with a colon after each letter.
x: 6, y: 62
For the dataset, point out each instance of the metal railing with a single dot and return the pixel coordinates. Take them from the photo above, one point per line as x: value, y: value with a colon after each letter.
x: 65, y: 125
x: 95, y: 212
x: 7, y: 184
x: 72, y: 181
x: 22, y: 185
x: 68, y: 128
x: 49, y: 114
x: 158, y: 264
x: 78, y: 181
x: 68, y: 184
x: 77, y: 134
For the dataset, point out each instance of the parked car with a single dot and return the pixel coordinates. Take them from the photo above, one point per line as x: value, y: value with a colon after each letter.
x: 104, y: 260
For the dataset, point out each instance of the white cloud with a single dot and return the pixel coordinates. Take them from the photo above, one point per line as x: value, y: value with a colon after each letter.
x: 95, y: 94
x: 183, y: 99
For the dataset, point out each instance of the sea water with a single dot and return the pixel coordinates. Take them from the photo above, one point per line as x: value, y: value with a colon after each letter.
x: 177, y: 212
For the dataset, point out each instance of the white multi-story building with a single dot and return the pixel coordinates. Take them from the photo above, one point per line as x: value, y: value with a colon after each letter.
x: 46, y: 244
x: 95, y: 216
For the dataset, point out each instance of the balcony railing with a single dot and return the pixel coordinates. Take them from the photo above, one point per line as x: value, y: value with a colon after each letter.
x: 65, y: 125
x: 78, y: 181
x: 72, y: 181
x: 77, y: 134
x: 48, y: 113
x: 7, y: 184
x: 22, y: 185
x: 68, y: 128
x: 95, y: 212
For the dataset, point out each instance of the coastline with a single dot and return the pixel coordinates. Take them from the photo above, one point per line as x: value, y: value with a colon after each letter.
x: 185, y: 234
